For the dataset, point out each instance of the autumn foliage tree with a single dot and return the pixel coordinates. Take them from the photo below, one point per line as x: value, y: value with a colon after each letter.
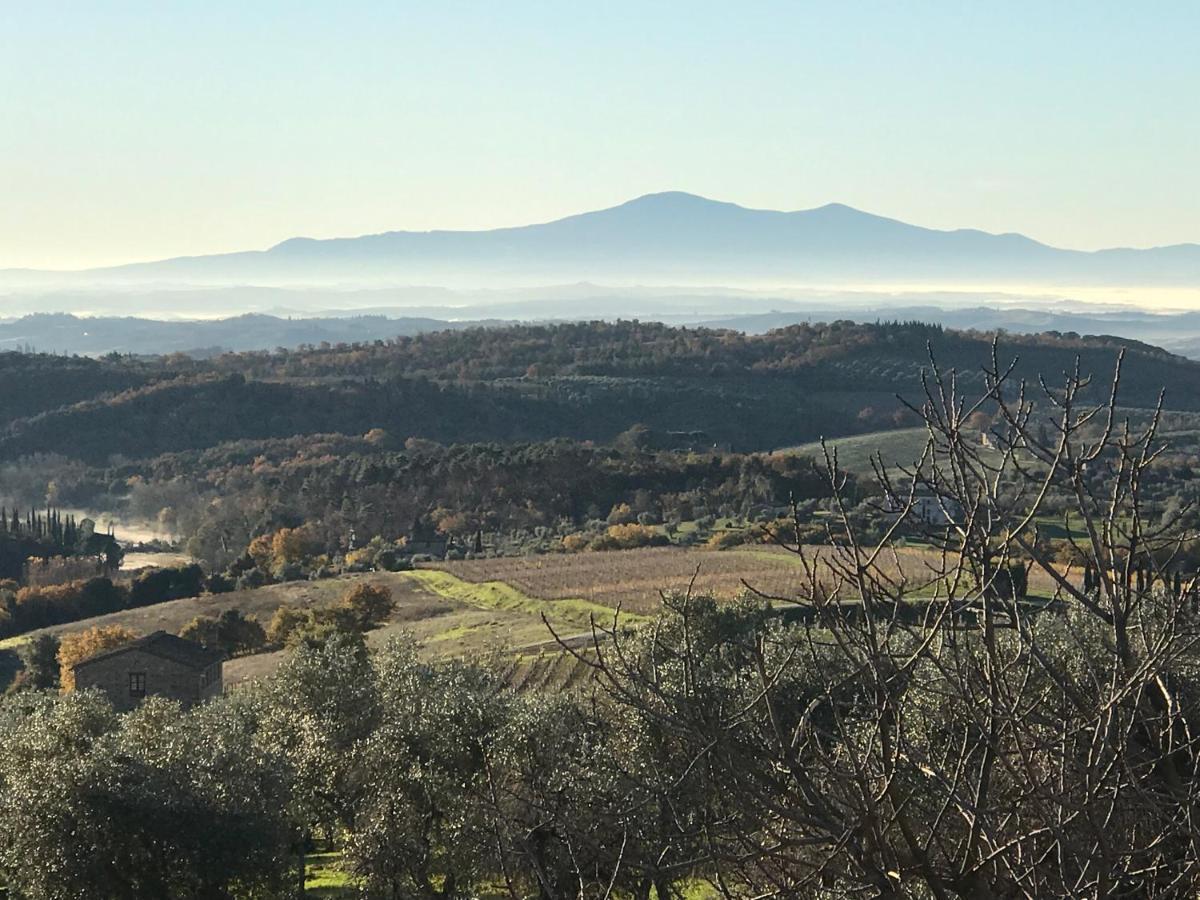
x: 74, y: 648
x: 369, y: 604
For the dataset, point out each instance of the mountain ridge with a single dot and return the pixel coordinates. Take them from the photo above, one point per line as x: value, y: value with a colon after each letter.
x: 672, y: 235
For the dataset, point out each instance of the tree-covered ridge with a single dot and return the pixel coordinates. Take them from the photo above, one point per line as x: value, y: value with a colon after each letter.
x: 632, y: 349
x: 31, y: 383
x: 533, y: 383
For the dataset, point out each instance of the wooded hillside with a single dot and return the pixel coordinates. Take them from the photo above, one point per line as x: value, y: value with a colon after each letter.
x: 531, y: 383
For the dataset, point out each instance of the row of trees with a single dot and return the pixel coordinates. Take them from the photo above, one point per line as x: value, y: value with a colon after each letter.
x: 25, y: 609
x: 44, y: 537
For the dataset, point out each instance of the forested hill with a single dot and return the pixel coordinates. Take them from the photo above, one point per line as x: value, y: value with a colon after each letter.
x: 584, y: 381
x: 650, y: 349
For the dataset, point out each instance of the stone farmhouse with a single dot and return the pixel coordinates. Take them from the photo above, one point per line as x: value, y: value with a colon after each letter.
x: 160, y: 665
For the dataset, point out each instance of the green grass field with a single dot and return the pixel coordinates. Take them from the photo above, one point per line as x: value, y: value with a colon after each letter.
x: 498, y: 595
x: 901, y: 446
x: 898, y: 447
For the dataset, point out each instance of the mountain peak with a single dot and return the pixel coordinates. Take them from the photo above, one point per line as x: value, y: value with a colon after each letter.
x: 840, y: 208
x: 674, y: 200
x: 663, y: 197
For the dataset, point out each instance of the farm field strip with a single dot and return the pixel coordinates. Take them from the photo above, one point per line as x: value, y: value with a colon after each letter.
x: 502, y: 595
x: 632, y: 580
x: 635, y: 579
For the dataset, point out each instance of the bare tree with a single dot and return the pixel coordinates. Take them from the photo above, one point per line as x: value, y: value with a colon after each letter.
x: 981, y: 719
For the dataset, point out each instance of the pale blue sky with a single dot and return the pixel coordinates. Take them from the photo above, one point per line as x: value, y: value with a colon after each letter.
x: 136, y: 130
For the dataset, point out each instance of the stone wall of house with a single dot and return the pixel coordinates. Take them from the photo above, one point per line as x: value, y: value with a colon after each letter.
x: 164, y: 678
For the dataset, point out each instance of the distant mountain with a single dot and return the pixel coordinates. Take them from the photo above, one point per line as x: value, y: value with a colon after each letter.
x: 676, y: 237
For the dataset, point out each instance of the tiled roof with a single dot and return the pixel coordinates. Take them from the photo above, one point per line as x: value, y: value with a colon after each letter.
x: 166, y: 646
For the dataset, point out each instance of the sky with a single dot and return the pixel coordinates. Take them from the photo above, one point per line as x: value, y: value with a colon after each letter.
x: 143, y: 130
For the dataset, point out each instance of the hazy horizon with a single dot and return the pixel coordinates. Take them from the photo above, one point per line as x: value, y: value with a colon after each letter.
x: 143, y: 131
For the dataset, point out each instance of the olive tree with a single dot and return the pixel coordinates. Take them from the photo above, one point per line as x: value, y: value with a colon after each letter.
x: 421, y: 824
x: 156, y: 803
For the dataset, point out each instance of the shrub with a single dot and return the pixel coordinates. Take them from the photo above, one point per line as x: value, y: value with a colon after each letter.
x: 627, y: 537
x: 368, y: 604
x: 161, y: 585
x: 317, y: 626
x: 288, y: 571
x: 369, y: 554
x: 39, y: 607
x: 723, y: 540
x: 573, y: 543
x: 391, y: 561
x: 231, y: 632
x: 285, y: 620
x: 622, y: 514
x: 220, y: 584
x: 40, y: 659
x: 252, y: 578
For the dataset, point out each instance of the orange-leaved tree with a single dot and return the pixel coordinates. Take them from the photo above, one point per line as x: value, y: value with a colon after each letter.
x: 74, y: 648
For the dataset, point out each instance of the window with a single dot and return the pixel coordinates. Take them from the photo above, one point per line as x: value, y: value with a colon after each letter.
x: 137, y: 684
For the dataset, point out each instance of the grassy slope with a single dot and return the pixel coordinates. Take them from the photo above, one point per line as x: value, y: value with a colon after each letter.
x: 324, y: 877
x: 449, y: 617
x: 501, y: 596
x: 899, y: 447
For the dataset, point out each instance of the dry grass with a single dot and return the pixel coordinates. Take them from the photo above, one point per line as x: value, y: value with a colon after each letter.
x: 631, y: 579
